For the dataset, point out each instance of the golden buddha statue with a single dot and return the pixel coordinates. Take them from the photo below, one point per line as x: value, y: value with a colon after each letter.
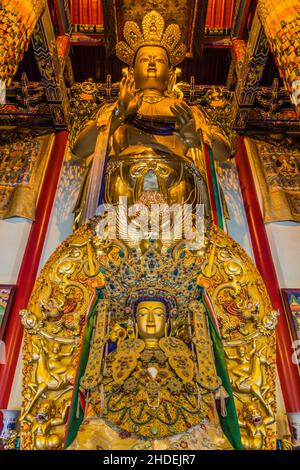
x: 151, y: 143
x: 156, y: 331
x: 151, y: 394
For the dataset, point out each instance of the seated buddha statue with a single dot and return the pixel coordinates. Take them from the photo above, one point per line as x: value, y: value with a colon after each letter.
x: 150, y: 143
x: 153, y: 391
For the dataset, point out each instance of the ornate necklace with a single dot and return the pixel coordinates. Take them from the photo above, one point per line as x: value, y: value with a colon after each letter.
x: 152, y: 99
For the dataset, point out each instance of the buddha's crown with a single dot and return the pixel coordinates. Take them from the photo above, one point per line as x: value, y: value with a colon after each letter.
x: 153, y: 34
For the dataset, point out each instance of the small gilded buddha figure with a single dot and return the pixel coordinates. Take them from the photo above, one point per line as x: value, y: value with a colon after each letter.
x: 152, y: 390
x: 149, y: 145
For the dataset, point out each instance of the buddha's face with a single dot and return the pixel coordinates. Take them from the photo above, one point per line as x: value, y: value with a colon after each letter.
x: 151, y: 319
x: 151, y: 68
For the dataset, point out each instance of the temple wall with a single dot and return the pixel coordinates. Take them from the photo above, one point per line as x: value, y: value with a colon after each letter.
x: 13, y: 239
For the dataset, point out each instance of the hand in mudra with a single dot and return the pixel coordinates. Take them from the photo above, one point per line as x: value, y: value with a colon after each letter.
x: 186, y: 130
x: 128, y: 101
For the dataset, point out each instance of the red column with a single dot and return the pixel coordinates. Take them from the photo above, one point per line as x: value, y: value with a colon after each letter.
x: 288, y: 372
x: 30, y: 264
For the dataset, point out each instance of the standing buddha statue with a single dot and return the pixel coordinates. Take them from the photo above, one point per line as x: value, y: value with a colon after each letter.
x: 150, y: 143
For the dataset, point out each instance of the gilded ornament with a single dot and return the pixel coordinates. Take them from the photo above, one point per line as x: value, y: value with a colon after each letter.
x: 117, y: 280
x: 42, y: 423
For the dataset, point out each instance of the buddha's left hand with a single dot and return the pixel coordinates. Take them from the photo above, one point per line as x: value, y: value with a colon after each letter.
x: 186, y: 125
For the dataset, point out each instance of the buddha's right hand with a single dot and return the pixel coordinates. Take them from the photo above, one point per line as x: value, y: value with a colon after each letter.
x: 128, y: 101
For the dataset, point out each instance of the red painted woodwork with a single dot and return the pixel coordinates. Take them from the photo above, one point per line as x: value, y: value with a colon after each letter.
x: 30, y: 264
x: 288, y: 372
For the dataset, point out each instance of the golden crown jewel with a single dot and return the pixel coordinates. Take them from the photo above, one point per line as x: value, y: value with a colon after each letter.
x: 153, y: 33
